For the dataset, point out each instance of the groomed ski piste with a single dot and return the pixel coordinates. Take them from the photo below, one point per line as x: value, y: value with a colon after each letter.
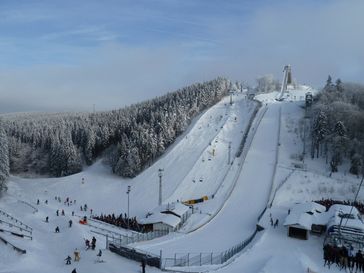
x: 195, y: 165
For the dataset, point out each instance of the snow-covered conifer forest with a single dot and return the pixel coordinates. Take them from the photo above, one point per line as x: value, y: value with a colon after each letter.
x: 130, y: 138
x: 338, y: 125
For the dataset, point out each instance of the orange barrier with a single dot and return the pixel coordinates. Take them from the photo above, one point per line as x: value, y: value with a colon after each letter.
x: 195, y: 201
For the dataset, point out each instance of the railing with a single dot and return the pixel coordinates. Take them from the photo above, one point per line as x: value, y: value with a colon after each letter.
x: 124, y: 240
x: 16, y: 234
x: 15, y: 226
x: 205, y: 258
x: 252, y: 117
x: 16, y: 220
x: 137, y: 255
x: 22, y: 251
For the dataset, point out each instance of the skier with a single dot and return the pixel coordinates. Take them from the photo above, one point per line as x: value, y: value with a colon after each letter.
x: 99, y: 256
x: 73, y: 213
x: 47, y: 219
x: 143, y: 265
x: 77, y: 255
x: 68, y: 259
x: 93, y: 243
x: 46, y: 202
x: 70, y: 223
x: 62, y: 212
x: 276, y: 223
x: 90, y: 211
x: 87, y: 243
x: 57, y: 229
x: 38, y: 202
x: 57, y: 212
x: 74, y: 270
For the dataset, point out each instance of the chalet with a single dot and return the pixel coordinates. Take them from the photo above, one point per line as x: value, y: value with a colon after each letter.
x: 169, y: 217
x: 305, y: 218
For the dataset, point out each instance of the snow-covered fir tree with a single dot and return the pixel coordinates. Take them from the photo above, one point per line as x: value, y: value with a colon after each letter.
x: 4, y: 158
x: 131, y: 138
x: 338, y: 123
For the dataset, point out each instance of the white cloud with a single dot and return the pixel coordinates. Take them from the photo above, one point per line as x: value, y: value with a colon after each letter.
x: 316, y: 39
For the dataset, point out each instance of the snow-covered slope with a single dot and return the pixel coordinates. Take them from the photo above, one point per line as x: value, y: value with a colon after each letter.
x: 269, y: 171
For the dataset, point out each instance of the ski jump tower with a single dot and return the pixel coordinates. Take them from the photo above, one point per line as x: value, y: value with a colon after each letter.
x: 287, y: 79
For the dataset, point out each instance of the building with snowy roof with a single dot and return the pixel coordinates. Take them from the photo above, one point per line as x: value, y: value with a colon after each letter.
x: 166, y: 217
x: 340, y: 221
x: 305, y: 218
x: 345, y: 222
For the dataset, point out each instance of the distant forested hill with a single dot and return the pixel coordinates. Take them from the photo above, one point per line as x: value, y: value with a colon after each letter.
x: 131, y: 138
x: 338, y: 125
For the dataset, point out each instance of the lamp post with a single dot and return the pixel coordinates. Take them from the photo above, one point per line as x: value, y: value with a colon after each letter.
x: 128, y: 191
x: 160, y: 174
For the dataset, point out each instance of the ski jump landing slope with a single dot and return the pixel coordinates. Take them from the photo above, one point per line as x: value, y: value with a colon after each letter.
x: 237, y: 219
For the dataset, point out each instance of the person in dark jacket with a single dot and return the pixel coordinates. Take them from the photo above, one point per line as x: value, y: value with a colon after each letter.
x: 143, y: 265
x: 68, y: 259
x: 74, y: 270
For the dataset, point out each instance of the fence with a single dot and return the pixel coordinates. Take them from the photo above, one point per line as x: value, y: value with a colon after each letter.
x: 16, y: 221
x: 137, y: 255
x: 210, y: 258
x: 22, y: 251
x: 20, y: 228
x: 123, y: 240
x: 16, y: 234
x: 242, y: 143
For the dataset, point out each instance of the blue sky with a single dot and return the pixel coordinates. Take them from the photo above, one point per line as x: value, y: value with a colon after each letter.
x: 69, y: 55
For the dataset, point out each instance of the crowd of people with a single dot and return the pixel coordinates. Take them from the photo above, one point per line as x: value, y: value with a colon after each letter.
x: 121, y: 221
x: 343, y: 257
x: 329, y: 202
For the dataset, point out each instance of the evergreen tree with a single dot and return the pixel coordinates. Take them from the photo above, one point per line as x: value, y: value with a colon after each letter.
x: 320, y: 130
x: 338, y: 85
x: 356, y: 164
x: 4, y: 158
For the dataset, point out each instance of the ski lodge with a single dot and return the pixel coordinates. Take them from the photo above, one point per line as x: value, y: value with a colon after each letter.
x: 166, y: 217
x: 305, y: 218
x: 342, y: 222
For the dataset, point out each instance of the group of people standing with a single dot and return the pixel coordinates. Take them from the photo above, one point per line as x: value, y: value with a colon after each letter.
x: 93, y: 243
x: 344, y: 257
x: 329, y: 202
x: 120, y: 221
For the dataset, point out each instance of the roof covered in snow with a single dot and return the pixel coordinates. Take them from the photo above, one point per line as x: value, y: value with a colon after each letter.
x: 171, y: 219
x: 312, y: 207
x: 347, y: 216
x: 303, y: 215
x: 177, y: 208
x: 168, y: 219
x: 302, y: 220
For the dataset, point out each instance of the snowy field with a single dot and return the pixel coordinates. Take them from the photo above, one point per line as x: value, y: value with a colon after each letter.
x: 269, y: 171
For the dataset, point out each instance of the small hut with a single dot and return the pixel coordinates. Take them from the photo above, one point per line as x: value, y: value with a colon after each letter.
x: 305, y: 218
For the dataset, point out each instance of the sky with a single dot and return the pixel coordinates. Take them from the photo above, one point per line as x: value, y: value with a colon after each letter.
x: 71, y: 55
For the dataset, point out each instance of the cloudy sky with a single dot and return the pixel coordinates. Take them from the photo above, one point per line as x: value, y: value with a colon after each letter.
x: 69, y: 55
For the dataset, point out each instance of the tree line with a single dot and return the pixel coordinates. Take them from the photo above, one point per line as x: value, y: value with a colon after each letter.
x: 338, y: 125
x: 130, y: 138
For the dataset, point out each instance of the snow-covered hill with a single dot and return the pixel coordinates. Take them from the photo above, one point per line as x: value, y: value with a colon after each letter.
x: 195, y: 166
